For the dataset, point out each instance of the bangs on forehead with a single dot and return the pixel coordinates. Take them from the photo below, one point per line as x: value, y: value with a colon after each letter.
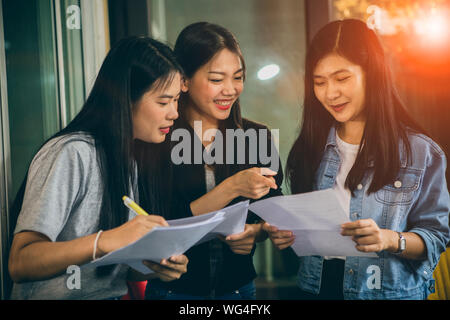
x: 164, y: 82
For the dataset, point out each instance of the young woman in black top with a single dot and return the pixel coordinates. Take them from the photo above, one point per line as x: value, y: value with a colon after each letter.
x: 214, y: 78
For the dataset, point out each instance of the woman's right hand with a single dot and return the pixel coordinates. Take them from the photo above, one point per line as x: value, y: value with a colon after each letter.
x: 253, y: 183
x: 280, y: 238
x: 127, y: 233
x: 169, y: 269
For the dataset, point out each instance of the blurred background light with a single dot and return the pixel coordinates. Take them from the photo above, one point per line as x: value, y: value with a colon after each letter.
x: 433, y: 26
x: 268, y: 72
x: 419, y: 22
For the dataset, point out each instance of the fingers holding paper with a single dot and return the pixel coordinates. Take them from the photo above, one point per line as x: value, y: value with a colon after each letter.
x: 242, y: 243
x: 367, y: 235
x: 280, y: 238
x: 169, y: 269
x: 128, y: 232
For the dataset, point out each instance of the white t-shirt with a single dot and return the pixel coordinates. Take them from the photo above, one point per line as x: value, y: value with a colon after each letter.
x: 348, y: 153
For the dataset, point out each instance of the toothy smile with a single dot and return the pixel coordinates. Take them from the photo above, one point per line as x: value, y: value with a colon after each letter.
x: 223, y: 102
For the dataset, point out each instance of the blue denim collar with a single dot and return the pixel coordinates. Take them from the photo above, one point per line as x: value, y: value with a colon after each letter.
x: 331, y: 140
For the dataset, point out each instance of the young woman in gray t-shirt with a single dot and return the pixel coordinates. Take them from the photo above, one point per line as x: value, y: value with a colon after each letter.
x: 75, y: 183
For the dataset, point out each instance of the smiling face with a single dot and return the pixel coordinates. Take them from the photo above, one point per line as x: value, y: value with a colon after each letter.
x: 339, y: 85
x: 215, y: 87
x: 155, y: 112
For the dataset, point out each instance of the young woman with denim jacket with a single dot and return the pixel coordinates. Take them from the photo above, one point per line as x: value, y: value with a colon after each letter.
x: 358, y: 139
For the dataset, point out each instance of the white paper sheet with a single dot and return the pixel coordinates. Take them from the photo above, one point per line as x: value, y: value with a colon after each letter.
x: 181, y: 235
x: 160, y: 243
x: 315, y: 220
x: 235, y: 217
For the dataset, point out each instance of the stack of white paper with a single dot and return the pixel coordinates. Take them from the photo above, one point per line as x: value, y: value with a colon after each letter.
x: 315, y: 220
x: 234, y: 221
x: 181, y: 235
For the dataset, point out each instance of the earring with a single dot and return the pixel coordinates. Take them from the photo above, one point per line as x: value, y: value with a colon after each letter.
x: 184, y: 86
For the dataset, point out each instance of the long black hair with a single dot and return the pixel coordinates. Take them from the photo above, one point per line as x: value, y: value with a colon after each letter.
x: 388, y: 121
x: 131, y: 68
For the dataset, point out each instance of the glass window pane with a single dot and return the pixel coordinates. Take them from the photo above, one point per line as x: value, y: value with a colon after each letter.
x: 73, y: 57
x: 31, y: 78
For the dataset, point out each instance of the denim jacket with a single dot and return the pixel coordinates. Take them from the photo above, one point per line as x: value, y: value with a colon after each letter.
x: 418, y: 201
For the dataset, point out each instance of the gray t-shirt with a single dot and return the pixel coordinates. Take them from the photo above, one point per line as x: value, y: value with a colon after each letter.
x: 62, y: 200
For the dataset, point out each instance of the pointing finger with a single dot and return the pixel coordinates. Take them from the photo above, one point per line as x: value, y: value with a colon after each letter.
x: 267, y: 172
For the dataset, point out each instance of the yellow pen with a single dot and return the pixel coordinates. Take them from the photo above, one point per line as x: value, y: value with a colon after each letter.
x: 134, y: 206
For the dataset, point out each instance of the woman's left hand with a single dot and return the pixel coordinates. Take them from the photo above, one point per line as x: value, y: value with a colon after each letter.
x: 242, y: 243
x: 367, y: 235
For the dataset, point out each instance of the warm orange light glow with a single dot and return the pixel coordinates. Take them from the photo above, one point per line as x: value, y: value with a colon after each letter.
x: 434, y: 27
x: 426, y: 22
x: 415, y: 34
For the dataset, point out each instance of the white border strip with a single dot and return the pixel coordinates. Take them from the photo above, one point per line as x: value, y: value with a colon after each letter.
x: 5, y: 160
